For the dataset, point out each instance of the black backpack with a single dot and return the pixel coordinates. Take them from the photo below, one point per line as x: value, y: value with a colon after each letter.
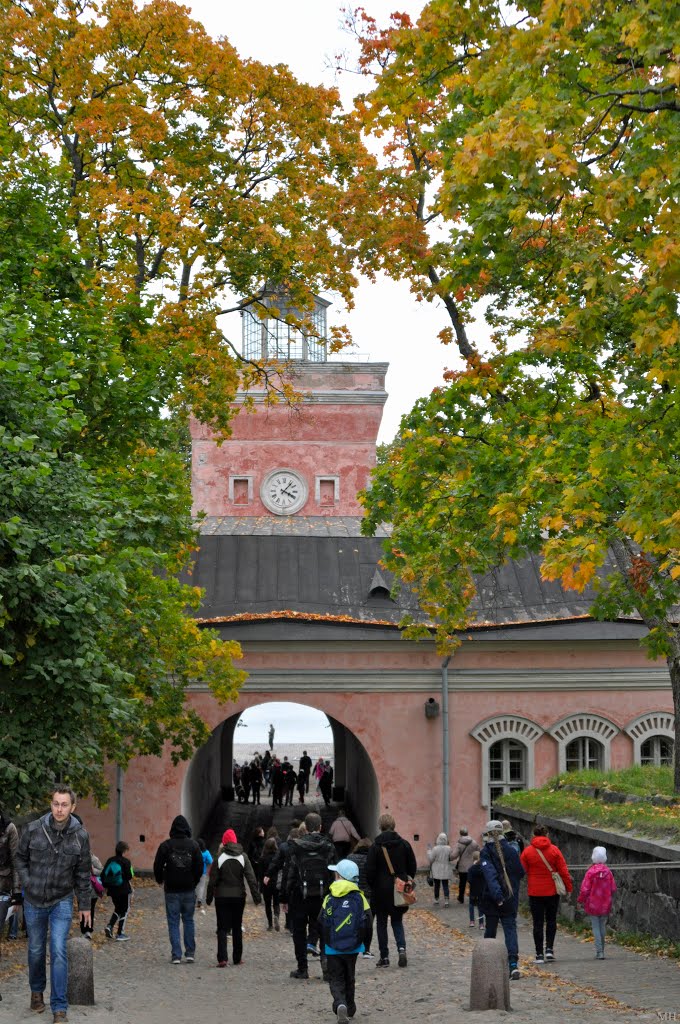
x: 312, y: 868
x: 179, y: 866
x: 343, y: 921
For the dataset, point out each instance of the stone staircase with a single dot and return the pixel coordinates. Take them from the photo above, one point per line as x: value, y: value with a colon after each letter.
x: 245, y: 818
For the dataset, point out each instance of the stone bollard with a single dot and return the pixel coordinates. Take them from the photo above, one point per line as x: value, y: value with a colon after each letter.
x: 490, y: 977
x: 80, y: 971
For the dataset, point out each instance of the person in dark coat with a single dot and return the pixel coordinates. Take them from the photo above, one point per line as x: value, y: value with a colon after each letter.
x: 359, y: 856
x: 178, y: 867
x: 277, y: 783
x: 305, y: 881
x: 120, y: 894
x: 269, y: 886
x: 502, y: 872
x: 381, y: 882
x: 326, y: 784
x: 229, y: 872
x: 255, y: 781
x: 304, y: 769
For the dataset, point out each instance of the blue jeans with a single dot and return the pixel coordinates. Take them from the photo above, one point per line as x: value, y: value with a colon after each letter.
x: 181, y: 904
x: 599, y: 923
x: 58, y: 918
x: 397, y: 919
x: 493, y: 915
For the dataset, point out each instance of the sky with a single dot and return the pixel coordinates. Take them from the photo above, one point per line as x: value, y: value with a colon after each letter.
x: 293, y: 723
x: 387, y: 324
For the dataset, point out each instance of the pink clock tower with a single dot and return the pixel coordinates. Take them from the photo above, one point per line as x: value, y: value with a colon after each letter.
x: 307, y: 460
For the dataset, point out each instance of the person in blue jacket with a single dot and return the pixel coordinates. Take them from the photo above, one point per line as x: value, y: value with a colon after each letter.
x: 503, y: 872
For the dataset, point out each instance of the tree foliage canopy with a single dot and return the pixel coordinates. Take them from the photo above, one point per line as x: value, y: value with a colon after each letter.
x: 531, y: 162
x: 150, y: 180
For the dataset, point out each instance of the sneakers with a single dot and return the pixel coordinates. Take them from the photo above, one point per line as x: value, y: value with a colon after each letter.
x: 599, y: 956
x: 384, y: 961
x: 549, y: 955
x: 60, y: 1017
x: 436, y: 902
x: 514, y: 973
x: 472, y: 924
x: 299, y: 974
x: 312, y: 950
x: 277, y: 926
x: 270, y: 927
x: 203, y: 911
x: 189, y: 959
x: 402, y: 957
x: 446, y: 903
x: 37, y: 1002
x: 122, y: 937
x: 176, y: 960
x: 539, y: 959
x: 482, y: 923
x: 108, y: 931
x: 342, y: 1014
x: 222, y: 963
x: 367, y: 956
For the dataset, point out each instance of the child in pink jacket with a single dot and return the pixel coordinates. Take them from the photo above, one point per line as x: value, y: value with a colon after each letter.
x: 597, y: 890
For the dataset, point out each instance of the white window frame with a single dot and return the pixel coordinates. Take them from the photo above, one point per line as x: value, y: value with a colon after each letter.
x: 581, y: 739
x: 651, y: 723
x: 335, y: 480
x: 584, y: 724
x: 240, y: 477
x: 506, y: 727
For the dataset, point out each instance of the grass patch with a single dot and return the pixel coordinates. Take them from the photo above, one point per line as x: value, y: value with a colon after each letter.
x: 644, y: 944
x: 644, y: 820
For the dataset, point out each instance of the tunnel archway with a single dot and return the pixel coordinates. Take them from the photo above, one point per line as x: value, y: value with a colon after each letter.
x: 208, y: 779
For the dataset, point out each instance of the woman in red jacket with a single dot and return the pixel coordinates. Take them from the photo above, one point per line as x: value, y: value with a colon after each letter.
x: 540, y: 859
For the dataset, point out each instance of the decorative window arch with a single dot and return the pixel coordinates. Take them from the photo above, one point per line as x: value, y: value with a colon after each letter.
x: 645, y: 727
x: 583, y: 726
x: 506, y: 727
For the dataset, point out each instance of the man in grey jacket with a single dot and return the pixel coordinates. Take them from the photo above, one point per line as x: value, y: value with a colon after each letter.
x: 54, y: 862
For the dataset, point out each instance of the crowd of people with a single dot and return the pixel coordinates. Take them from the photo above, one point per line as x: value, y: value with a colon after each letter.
x: 281, y: 780
x: 330, y: 890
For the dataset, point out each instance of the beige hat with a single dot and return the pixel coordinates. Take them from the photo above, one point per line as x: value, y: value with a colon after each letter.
x: 493, y: 826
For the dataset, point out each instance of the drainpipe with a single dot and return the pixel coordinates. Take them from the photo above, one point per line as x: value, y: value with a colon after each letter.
x: 445, y: 744
x: 119, y: 804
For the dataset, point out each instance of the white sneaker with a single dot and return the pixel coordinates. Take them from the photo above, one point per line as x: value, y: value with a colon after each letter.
x: 342, y: 1014
x: 368, y: 956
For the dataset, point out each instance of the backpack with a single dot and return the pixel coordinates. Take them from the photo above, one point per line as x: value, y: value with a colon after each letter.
x: 178, y: 864
x: 344, y: 920
x: 312, y: 866
x: 112, y: 875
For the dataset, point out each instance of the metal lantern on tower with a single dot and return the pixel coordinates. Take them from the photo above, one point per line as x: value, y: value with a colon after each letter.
x: 272, y: 338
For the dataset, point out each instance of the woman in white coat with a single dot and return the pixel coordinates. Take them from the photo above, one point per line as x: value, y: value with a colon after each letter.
x: 439, y: 857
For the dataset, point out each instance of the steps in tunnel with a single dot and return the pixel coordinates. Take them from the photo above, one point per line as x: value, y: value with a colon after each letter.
x: 244, y: 819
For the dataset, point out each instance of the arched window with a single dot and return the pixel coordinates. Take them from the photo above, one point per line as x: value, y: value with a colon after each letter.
x: 584, y: 741
x: 653, y: 737
x: 584, y: 752
x: 657, y: 750
x: 507, y: 743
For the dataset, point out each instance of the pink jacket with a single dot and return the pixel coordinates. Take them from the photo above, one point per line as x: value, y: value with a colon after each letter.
x: 597, y: 889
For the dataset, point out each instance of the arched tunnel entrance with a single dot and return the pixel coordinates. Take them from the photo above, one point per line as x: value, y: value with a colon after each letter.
x: 208, y: 797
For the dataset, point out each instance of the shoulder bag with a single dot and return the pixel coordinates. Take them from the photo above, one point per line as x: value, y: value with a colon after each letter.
x: 560, y: 887
x: 404, y: 891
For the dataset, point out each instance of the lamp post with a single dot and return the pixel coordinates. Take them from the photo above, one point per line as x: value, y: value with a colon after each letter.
x: 445, y: 744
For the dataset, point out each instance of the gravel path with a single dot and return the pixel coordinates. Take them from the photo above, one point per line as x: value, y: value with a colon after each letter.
x: 136, y: 983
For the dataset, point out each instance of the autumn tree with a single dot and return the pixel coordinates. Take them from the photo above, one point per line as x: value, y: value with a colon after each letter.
x: 531, y: 168
x: 151, y: 181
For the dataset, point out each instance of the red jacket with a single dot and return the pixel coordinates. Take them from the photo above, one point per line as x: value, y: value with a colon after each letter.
x: 539, y: 878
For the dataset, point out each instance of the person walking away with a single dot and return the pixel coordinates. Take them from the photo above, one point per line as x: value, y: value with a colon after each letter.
x: 54, y: 863
x: 289, y: 782
x: 439, y: 857
x: 502, y: 873
x: 278, y: 867
x: 343, y: 835
x: 229, y: 872
x: 178, y: 867
x: 305, y: 882
x: 96, y: 893
x: 277, y: 783
x: 202, y: 886
x: 116, y: 877
x: 10, y: 886
x: 302, y: 785
x: 476, y: 886
x: 245, y: 781
x: 269, y: 887
x: 304, y: 769
x: 595, y: 896
x: 345, y: 924
x: 381, y: 881
x: 540, y: 859
x: 326, y: 784
x: 462, y: 859
x: 513, y: 837
x: 359, y: 856
x: 255, y: 849
x: 255, y: 781
x: 318, y: 772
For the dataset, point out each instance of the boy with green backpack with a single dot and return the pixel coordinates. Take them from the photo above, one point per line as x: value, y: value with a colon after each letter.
x: 116, y: 877
x: 345, y: 924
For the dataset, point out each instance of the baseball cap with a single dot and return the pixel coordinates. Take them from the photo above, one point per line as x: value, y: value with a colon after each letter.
x: 347, y: 869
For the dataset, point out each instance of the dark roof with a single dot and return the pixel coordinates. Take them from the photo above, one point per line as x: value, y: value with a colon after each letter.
x: 321, y: 566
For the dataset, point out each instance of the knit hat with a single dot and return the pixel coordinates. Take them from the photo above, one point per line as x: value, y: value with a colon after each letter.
x: 599, y: 855
x: 229, y: 837
x: 347, y: 869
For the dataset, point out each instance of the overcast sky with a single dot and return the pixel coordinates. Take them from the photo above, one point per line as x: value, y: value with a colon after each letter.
x: 387, y: 324
x: 293, y: 723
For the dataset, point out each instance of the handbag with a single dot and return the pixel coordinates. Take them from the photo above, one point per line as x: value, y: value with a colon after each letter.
x: 429, y: 879
x: 404, y: 891
x: 558, y: 882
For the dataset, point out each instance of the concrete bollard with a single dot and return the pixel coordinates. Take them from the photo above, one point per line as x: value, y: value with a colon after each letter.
x: 80, y: 971
x: 490, y: 977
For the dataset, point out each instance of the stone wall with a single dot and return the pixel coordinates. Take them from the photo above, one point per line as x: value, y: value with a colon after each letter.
x: 647, y: 900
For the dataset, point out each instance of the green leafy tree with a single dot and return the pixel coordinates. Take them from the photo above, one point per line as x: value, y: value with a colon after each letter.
x: 532, y: 163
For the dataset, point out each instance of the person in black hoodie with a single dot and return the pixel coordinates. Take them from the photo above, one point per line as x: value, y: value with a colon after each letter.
x: 178, y: 867
x: 305, y: 882
x: 381, y: 881
x: 229, y: 872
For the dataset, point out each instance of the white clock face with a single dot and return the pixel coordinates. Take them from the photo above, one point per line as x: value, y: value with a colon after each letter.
x: 283, y: 492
